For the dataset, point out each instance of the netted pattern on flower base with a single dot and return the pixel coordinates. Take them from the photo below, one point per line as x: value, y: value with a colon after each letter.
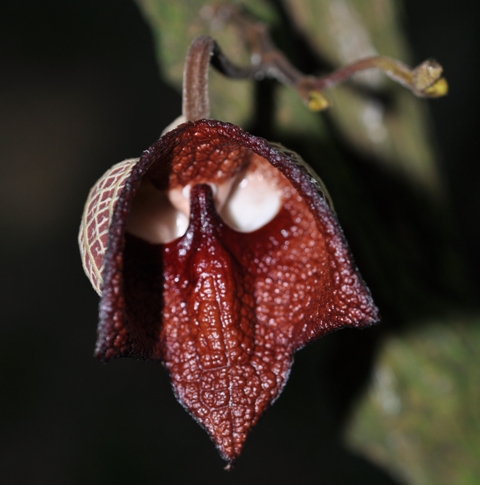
x: 93, y: 236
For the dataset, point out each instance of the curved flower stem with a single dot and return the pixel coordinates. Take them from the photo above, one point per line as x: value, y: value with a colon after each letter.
x: 204, y: 51
x: 267, y: 61
x: 195, y: 99
x: 424, y: 81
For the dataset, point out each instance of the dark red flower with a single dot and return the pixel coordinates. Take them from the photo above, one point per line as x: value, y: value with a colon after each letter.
x: 219, y: 255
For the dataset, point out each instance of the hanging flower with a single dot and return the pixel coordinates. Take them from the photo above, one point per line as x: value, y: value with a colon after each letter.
x: 220, y: 255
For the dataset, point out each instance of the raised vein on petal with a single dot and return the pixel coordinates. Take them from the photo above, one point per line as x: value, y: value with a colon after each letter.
x: 208, y: 359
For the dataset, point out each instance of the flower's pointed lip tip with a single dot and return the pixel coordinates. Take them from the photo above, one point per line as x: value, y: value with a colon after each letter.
x: 231, y: 460
x: 230, y: 456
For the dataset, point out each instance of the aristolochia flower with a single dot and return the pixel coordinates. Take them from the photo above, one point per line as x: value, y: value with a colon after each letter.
x: 218, y: 254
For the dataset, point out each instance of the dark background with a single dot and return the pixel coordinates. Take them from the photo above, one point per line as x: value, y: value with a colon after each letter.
x: 79, y: 91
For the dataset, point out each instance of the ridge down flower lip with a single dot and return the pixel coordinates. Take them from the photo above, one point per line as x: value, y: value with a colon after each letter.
x: 218, y: 254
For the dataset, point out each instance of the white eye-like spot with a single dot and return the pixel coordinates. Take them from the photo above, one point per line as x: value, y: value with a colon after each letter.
x: 155, y: 217
x: 180, y: 199
x: 253, y: 202
x: 181, y: 224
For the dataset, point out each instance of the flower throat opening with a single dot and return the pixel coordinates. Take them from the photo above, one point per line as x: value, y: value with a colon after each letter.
x: 246, y: 201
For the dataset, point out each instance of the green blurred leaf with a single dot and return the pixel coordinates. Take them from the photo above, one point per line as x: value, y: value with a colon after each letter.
x: 421, y: 415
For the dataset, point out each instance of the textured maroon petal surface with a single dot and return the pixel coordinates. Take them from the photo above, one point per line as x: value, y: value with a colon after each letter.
x: 226, y: 310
